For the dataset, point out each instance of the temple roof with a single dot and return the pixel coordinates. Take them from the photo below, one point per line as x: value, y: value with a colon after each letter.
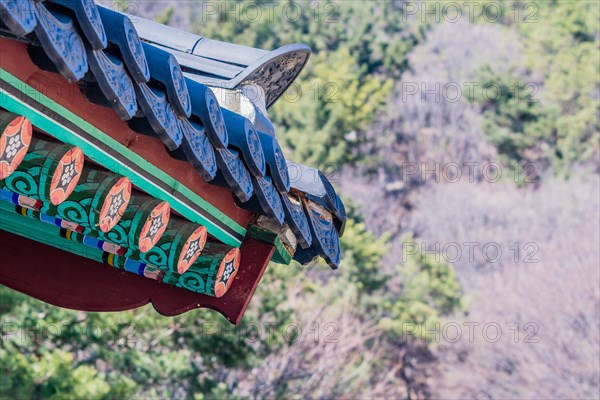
x: 162, y: 82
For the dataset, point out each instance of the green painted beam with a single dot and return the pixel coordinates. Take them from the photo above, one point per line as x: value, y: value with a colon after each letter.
x: 41, y: 232
x: 281, y: 255
x: 211, y: 274
x: 101, y: 156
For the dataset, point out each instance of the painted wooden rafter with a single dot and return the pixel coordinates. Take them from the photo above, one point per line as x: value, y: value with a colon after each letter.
x: 166, y: 98
x: 208, y: 267
x: 20, y: 98
x: 141, y: 81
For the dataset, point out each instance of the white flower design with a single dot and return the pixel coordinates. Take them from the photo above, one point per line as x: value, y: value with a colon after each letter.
x: 229, y: 270
x: 191, y: 250
x: 69, y: 172
x: 117, y: 202
x: 156, y: 225
x: 14, y: 145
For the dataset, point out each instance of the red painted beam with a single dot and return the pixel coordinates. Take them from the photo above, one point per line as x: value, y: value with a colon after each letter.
x: 67, y: 280
x: 15, y: 59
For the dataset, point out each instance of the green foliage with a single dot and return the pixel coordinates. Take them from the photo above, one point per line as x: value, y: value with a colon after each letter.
x: 375, y: 33
x: 362, y: 257
x: 322, y: 117
x: 430, y: 291
x: 70, y: 354
x: 515, y: 122
x: 356, y: 47
x: 164, y: 17
x: 54, y: 375
x: 16, y: 375
x: 554, y: 122
x: 564, y: 48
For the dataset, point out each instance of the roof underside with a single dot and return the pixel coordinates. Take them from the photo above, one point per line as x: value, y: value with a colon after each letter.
x: 158, y: 80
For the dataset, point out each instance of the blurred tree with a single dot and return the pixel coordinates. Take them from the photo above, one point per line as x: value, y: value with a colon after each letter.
x: 359, y: 48
x: 325, y: 115
x: 165, y: 16
x: 377, y: 34
x: 564, y: 49
x: 430, y: 291
x: 553, y: 121
x: 362, y: 257
x: 515, y: 122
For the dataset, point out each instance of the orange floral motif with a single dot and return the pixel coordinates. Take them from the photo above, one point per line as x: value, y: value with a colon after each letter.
x: 155, y: 226
x: 14, y: 143
x: 191, y: 249
x: 66, y: 176
x: 227, y: 272
x: 115, y: 204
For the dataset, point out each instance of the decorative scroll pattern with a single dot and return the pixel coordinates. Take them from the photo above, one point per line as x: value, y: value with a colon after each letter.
x: 297, y: 219
x: 91, y: 11
x: 181, y: 89
x: 89, y: 21
x: 270, y: 199
x: 114, y: 82
x: 193, y: 281
x: 216, y: 116
x: 277, y: 75
x: 237, y: 175
x: 241, y: 176
x: 137, y: 52
x: 118, y: 234
x: 62, y: 44
x: 160, y: 115
x: 198, y: 150
x: 72, y: 211
x: 18, y: 15
x: 157, y: 255
x: 255, y: 147
x: 274, y: 200
x: 325, y: 233
x: 283, y: 181
x: 23, y: 183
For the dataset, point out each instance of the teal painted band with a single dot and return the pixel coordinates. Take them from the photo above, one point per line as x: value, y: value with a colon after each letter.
x: 39, y: 231
x: 49, y: 235
x: 99, y: 155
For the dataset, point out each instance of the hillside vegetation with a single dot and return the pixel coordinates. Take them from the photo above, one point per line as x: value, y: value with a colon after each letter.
x: 450, y: 140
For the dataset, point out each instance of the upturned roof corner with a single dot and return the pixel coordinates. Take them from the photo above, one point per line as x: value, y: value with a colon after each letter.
x: 161, y: 160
